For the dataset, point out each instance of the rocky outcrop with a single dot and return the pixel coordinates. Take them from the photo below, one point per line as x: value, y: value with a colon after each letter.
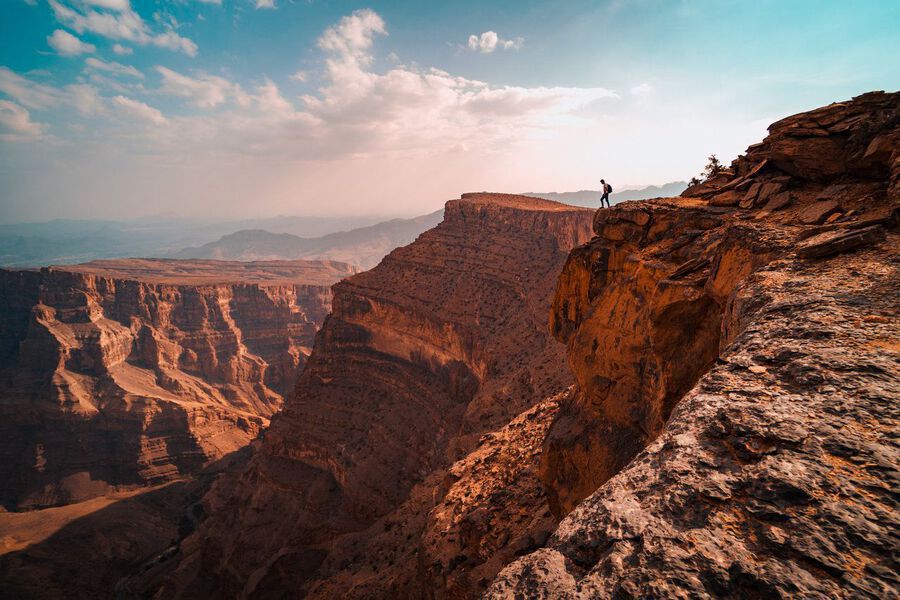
x: 443, y: 341
x: 495, y: 508
x: 731, y: 433
x: 134, y: 372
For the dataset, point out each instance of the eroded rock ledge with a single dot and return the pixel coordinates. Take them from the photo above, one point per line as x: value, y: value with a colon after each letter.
x: 733, y: 428
x: 133, y: 372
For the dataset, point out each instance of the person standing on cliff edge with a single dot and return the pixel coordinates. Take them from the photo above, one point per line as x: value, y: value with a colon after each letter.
x: 607, y: 190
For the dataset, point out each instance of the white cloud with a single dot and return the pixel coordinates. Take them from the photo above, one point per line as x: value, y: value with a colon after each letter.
x: 122, y: 50
x: 352, y: 37
x: 205, y: 91
x: 68, y: 45
x: 408, y: 110
x: 121, y: 23
x: 86, y: 99
x: 27, y: 92
x: 300, y: 76
x: 126, y: 107
x: 83, y: 97
x: 489, y: 41
x: 642, y: 89
x: 117, y: 5
x: 16, y: 123
x: 358, y: 112
x: 269, y: 99
x: 265, y: 3
x: 113, y: 67
x: 404, y: 111
x: 513, y: 44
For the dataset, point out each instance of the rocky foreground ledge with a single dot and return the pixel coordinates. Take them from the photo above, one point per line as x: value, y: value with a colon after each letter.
x: 733, y: 432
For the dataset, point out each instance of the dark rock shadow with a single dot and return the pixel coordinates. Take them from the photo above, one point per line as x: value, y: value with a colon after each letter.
x: 89, y: 556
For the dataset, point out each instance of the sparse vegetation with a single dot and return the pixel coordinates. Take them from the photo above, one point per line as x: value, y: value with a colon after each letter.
x: 713, y: 166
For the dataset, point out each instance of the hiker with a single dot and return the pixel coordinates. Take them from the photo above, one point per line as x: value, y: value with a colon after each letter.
x: 607, y: 190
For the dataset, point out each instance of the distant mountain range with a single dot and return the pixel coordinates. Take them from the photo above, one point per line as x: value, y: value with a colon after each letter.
x: 591, y: 198
x: 363, y: 247
x: 360, y: 241
x: 68, y: 241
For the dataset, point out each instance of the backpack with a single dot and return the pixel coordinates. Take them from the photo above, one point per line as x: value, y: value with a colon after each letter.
x: 608, y: 189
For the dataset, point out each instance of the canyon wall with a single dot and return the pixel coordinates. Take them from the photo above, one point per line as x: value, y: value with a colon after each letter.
x: 443, y: 342
x: 732, y: 431
x: 135, y: 372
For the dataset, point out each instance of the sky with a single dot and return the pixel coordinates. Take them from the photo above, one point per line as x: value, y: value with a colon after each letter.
x: 252, y: 108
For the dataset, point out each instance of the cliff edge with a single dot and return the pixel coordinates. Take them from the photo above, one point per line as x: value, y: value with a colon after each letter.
x: 732, y: 430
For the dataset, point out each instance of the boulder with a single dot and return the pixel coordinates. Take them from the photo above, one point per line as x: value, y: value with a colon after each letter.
x: 842, y: 240
x: 778, y: 201
x: 749, y: 198
x: 729, y: 198
x: 816, y: 213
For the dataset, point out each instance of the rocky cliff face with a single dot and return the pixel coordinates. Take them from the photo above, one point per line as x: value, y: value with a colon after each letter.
x: 732, y: 429
x: 442, y: 342
x: 134, y: 372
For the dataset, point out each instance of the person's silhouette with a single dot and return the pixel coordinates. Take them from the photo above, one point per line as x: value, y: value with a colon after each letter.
x: 606, y: 189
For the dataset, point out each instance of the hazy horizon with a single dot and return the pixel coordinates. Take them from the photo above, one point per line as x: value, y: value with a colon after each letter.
x: 172, y: 216
x: 111, y: 109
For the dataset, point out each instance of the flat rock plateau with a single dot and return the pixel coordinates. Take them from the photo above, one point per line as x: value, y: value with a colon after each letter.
x: 692, y: 397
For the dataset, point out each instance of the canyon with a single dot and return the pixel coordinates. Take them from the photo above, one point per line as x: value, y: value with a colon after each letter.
x: 693, y: 396
x: 723, y: 427
x: 130, y: 373
x: 444, y: 341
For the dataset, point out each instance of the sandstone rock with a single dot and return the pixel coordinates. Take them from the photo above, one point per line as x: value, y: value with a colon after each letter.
x: 749, y: 198
x: 767, y: 190
x: 626, y: 311
x: 689, y: 267
x: 763, y: 465
x: 442, y: 342
x: 760, y: 484
x: 495, y: 509
x: 882, y: 148
x: 835, y: 242
x: 778, y: 201
x: 823, y: 157
x: 816, y: 213
x: 729, y: 198
x: 126, y: 373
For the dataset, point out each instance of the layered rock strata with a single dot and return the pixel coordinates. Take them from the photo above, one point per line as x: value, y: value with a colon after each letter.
x: 134, y: 372
x: 732, y: 429
x: 442, y: 342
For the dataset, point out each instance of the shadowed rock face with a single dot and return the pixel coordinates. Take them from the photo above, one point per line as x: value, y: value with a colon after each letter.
x: 738, y: 377
x: 445, y: 340
x: 134, y: 372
